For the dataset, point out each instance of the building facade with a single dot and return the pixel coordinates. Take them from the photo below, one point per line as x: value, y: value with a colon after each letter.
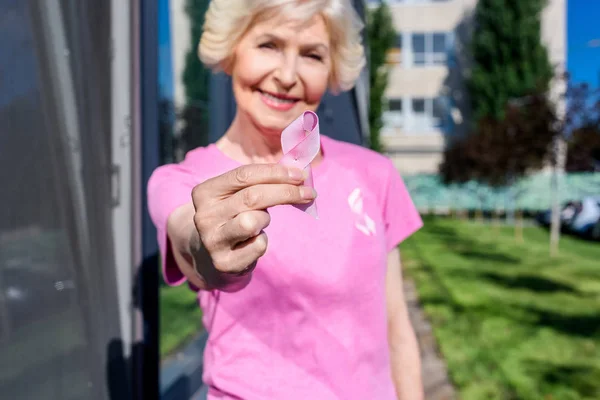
x: 426, y: 98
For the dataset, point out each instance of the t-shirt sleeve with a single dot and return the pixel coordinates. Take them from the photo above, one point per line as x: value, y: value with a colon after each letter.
x: 400, y: 215
x: 169, y: 187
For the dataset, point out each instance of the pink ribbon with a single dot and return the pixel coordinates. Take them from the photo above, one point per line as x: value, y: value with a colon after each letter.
x: 301, y: 143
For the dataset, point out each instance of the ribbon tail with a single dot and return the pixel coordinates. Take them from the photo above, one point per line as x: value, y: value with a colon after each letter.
x: 310, y: 208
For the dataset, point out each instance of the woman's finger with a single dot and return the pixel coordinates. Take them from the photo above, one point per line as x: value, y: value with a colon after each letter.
x: 249, y: 175
x: 261, y: 197
x: 244, y: 226
x: 242, y: 256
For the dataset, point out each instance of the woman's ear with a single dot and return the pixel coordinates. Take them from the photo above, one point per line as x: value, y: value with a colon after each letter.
x: 227, y: 64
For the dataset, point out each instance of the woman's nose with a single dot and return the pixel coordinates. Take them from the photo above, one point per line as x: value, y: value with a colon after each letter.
x: 287, y: 72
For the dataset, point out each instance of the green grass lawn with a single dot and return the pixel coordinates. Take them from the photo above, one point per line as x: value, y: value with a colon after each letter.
x: 511, y: 322
x: 180, y: 318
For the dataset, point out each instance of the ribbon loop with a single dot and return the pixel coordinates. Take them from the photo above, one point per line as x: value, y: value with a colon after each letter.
x: 301, y: 143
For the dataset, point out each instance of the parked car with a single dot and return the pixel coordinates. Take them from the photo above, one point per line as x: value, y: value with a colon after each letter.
x: 567, y: 213
x: 579, y: 217
x: 586, y: 217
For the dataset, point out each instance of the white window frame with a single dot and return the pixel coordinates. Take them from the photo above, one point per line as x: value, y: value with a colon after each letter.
x: 393, y: 120
x: 422, y: 123
x: 430, y: 58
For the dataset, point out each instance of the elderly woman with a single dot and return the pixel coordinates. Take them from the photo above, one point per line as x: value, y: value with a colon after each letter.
x: 295, y: 307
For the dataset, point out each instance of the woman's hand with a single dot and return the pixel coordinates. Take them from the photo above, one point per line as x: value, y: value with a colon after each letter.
x: 230, y: 212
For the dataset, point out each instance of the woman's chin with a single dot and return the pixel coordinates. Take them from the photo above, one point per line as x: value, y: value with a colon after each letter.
x: 274, y: 125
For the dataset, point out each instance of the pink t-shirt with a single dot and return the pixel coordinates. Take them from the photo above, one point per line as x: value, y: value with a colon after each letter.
x: 312, y: 322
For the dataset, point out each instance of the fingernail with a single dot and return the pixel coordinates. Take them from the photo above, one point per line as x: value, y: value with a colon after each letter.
x: 308, y: 193
x: 295, y: 174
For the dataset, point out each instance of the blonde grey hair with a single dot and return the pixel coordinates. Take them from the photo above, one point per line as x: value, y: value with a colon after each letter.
x: 226, y: 21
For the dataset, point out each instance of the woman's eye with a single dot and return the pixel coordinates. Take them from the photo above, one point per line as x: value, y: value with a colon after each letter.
x: 315, y: 57
x: 268, y: 45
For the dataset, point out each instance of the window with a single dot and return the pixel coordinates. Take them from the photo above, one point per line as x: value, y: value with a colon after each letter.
x: 393, y: 116
x: 430, y: 48
x: 418, y: 106
x: 438, y: 51
x: 427, y: 114
x: 395, y: 105
x: 418, y: 48
x: 417, y: 115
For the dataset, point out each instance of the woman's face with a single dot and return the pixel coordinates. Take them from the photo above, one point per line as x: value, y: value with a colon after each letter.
x: 281, y: 69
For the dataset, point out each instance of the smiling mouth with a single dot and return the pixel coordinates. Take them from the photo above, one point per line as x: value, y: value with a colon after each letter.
x: 279, y: 98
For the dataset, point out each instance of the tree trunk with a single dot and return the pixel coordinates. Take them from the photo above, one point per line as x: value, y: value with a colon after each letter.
x: 555, y: 214
x: 496, y: 220
x: 519, y: 227
x: 559, y: 148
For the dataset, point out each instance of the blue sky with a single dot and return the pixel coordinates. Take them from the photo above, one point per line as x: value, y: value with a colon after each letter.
x: 583, y: 61
x: 165, y: 65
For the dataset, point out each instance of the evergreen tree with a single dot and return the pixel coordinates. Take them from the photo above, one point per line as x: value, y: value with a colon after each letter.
x: 509, y: 58
x: 381, y: 37
x: 196, y: 80
x: 195, y: 75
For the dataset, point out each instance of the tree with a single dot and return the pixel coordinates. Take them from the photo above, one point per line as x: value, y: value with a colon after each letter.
x: 196, y: 79
x: 508, y: 56
x: 583, y: 150
x: 514, y: 123
x: 583, y: 129
x: 381, y: 36
x: 196, y: 76
x: 497, y: 153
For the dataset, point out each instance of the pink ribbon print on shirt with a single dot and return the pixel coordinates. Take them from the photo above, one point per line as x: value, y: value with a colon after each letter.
x: 301, y: 143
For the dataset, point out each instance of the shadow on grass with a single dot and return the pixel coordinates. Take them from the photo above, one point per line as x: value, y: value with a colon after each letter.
x: 582, y: 325
x: 586, y: 325
x: 490, y: 256
x: 583, y: 379
x: 532, y: 283
x: 529, y: 282
x: 441, y: 231
x: 466, y: 247
x: 430, y: 270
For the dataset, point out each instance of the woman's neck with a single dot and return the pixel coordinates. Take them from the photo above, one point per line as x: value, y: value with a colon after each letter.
x: 244, y: 143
